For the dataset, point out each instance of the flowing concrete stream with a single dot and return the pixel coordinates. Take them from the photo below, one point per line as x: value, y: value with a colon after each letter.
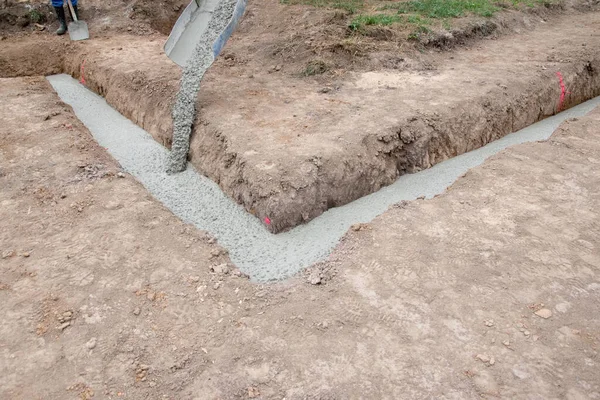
x: 199, y: 201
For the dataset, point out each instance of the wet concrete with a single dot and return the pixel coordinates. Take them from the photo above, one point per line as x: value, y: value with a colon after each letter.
x: 201, y: 58
x: 264, y: 256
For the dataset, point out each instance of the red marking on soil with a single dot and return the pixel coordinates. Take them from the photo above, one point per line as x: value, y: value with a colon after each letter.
x: 82, y: 80
x: 267, y: 220
x: 562, y: 91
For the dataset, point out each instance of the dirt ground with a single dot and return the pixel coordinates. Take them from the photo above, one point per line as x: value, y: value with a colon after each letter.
x: 488, y: 291
x: 292, y: 144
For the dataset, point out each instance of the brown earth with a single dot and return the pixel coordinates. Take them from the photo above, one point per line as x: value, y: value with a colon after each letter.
x: 292, y: 146
x: 107, y: 17
x: 105, y: 294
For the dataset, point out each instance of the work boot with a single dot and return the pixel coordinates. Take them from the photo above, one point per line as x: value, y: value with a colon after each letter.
x: 76, y: 13
x: 60, y: 13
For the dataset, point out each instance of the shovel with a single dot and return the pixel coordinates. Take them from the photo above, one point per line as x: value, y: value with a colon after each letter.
x: 78, y: 30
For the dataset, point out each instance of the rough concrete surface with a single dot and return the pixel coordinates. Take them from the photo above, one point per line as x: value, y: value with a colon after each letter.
x: 258, y: 253
x: 487, y: 291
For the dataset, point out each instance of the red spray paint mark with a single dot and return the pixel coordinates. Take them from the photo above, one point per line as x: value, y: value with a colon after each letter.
x: 82, y: 80
x: 563, y: 91
x: 267, y: 220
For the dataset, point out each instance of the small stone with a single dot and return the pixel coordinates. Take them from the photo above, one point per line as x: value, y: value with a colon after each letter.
x: 506, y: 343
x: 278, y: 68
x: 356, y: 227
x: 91, y: 343
x: 151, y: 296
x: 217, y: 285
x: 492, y: 361
x: 129, y: 28
x: 220, y: 269
x: 543, y: 313
x: 63, y: 195
x: 8, y: 253
x: 120, y: 174
x: 489, y: 322
x: 195, y: 279
x: 526, y: 333
x: 240, y: 274
x: 483, y: 358
x: 253, y: 392
x: 64, y: 325
x: 325, y: 90
x: 314, y: 279
x: 25, y: 254
x: 137, y: 311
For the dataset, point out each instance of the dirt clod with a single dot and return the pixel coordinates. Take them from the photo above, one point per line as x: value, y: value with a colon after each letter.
x: 91, y: 344
x: 221, y: 269
x: 543, y: 313
x: 8, y: 253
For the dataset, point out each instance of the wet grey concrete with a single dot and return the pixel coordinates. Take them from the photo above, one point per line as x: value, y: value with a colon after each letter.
x: 199, y: 201
x: 200, y: 59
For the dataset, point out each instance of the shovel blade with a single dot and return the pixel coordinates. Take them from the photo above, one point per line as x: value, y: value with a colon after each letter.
x: 78, y: 30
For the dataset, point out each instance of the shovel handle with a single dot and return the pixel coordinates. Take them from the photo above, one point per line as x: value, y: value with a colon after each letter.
x: 72, y: 11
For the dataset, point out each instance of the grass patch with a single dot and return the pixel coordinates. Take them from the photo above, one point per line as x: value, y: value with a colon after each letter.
x: 352, y: 6
x: 418, y: 33
x: 376, y: 19
x: 441, y: 9
x: 36, y: 17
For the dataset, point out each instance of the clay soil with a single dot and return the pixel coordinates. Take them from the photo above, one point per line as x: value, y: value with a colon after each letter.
x: 316, y: 115
x: 105, y: 294
x: 488, y: 291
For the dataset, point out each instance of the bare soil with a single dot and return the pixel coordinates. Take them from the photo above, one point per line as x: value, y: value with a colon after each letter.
x: 291, y: 145
x: 139, y: 17
x: 488, y: 291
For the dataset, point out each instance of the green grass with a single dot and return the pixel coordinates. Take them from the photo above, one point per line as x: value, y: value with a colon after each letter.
x: 352, y: 6
x: 441, y: 9
x: 376, y: 19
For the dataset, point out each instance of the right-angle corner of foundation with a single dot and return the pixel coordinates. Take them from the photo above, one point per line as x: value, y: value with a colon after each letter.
x: 299, y: 199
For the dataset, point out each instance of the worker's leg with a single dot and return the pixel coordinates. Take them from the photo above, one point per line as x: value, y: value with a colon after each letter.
x: 60, y: 14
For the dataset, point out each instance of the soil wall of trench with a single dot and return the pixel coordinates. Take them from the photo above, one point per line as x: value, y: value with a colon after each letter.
x: 416, y: 143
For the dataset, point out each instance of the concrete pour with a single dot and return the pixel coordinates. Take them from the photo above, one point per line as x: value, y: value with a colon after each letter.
x: 264, y: 256
x: 184, y: 109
